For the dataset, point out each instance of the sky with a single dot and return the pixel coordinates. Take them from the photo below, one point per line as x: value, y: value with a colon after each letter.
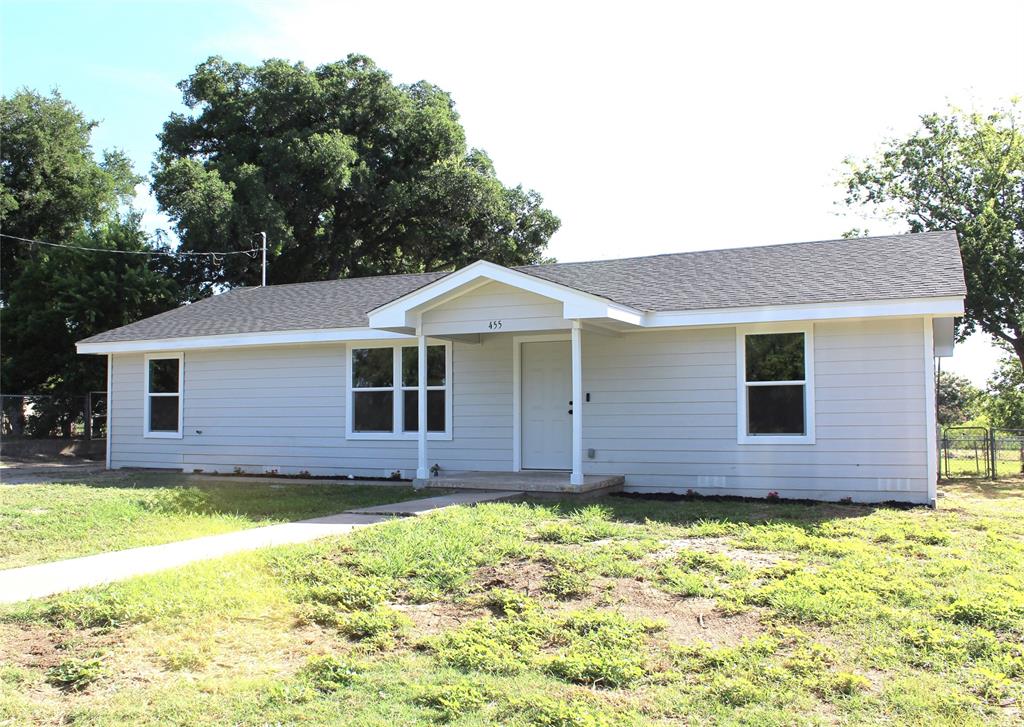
x: 648, y: 127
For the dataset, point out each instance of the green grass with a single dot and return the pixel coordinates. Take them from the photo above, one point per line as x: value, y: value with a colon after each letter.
x: 53, y: 521
x: 558, y: 614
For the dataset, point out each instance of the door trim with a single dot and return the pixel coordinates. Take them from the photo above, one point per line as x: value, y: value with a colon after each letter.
x: 517, y: 391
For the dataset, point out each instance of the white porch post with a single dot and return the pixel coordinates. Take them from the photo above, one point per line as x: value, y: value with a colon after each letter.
x: 576, y: 478
x: 421, y: 380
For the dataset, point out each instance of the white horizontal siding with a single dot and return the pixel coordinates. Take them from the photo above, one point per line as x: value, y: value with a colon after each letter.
x: 662, y: 411
x: 284, y: 409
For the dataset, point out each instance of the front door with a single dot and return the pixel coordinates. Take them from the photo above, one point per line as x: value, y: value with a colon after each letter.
x: 546, y: 413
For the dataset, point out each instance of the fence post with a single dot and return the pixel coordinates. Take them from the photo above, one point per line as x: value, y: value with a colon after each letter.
x: 992, y: 453
x: 88, y: 416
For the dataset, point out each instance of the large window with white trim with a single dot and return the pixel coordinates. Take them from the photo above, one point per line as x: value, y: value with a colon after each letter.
x: 775, y: 395
x: 164, y: 376
x: 384, y: 391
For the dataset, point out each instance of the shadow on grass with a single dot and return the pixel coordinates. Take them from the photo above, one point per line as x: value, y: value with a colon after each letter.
x: 1001, y: 489
x: 176, y: 493
x: 689, y: 511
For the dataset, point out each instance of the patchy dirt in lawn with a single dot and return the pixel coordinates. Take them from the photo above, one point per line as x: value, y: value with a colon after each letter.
x: 525, y: 576
x: 31, y: 647
x: 687, y: 620
x: 430, y: 619
x: 721, y: 546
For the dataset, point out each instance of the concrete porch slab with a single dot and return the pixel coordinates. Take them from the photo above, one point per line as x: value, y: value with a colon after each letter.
x: 531, y: 481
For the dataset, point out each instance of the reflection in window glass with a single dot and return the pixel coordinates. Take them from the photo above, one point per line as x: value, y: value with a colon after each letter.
x: 775, y: 410
x: 775, y: 357
x: 372, y: 411
x: 163, y: 375
x: 372, y: 367
x: 435, y: 410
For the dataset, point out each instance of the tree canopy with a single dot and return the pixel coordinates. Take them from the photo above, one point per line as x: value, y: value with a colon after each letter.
x: 1004, y: 404
x: 965, y: 172
x: 54, y: 190
x: 957, y: 399
x: 348, y: 173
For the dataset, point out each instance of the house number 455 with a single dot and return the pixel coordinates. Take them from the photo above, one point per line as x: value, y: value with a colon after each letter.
x: 494, y: 325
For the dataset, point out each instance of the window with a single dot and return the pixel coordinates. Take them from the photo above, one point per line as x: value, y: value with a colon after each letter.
x: 384, y: 400
x: 775, y: 393
x: 164, y: 377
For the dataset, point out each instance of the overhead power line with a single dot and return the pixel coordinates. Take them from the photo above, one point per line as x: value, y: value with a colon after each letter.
x: 170, y: 253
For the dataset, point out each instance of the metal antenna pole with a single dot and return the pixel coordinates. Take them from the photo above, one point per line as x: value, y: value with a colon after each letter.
x: 264, y: 236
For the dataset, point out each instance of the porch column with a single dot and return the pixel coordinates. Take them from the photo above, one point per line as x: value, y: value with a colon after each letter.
x: 576, y: 478
x: 421, y: 463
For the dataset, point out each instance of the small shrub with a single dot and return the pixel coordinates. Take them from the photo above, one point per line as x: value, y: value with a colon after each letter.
x: 453, y: 700
x: 179, y: 500
x: 188, y: 658
x: 545, y: 711
x: 506, y: 602
x: 603, y: 649
x: 991, y: 685
x: 350, y: 592
x: 565, y: 583
x: 848, y: 683
x: 379, y: 625
x: 772, y: 496
x: 76, y: 674
x: 495, y: 646
x: 736, y: 691
x: 102, y: 607
x: 328, y: 673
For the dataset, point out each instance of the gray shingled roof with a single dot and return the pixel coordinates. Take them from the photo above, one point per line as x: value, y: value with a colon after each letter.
x: 867, y: 268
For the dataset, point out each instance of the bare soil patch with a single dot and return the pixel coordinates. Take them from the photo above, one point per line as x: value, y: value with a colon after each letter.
x: 687, y: 620
x: 525, y: 576
x: 721, y: 546
x: 430, y: 619
x: 31, y: 647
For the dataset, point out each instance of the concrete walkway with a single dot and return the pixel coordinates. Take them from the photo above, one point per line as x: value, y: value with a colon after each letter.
x: 35, y: 581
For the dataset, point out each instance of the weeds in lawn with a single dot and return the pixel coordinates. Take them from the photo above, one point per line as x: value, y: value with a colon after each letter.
x: 328, y: 673
x: 76, y: 674
x: 540, y: 615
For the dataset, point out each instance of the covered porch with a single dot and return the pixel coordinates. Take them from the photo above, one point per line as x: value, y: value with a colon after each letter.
x: 545, y: 322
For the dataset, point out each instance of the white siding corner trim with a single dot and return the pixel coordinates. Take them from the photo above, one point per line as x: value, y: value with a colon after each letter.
x: 742, y: 437
x: 110, y: 401
x: 931, y: 423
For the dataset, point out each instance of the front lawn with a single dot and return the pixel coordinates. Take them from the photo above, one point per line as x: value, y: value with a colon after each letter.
x: 125, y: 510
x: 616, y: 612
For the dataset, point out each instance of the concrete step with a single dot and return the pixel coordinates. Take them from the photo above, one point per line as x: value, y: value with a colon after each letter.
x: 530, y: 482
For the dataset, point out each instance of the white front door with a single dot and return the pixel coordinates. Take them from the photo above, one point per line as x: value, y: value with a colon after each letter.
x: 546, y: 413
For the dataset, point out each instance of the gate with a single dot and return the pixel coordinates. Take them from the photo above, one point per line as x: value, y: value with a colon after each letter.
x: 1007, y: 452
x: 965, y: 452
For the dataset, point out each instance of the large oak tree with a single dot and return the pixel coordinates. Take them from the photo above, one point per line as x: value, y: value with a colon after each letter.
x: 54, y: 189
x: 964, y: 172
x: 348, y: 173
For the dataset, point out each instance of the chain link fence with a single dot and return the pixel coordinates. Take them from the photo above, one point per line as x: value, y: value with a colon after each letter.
x: 981, y: 452
x: 45, y: 416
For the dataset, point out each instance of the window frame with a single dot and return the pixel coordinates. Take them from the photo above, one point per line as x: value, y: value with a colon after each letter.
x: 742, y: 385
x: 398, y: 396
x: 148, y: 395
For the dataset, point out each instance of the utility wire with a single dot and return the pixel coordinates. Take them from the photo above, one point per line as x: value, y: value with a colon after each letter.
x: 251, y: 253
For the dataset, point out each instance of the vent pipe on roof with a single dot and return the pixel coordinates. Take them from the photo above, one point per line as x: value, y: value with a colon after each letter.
x: 264, y: 236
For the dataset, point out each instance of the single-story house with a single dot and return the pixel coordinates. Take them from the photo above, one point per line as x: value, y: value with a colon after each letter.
x: 803, y: 369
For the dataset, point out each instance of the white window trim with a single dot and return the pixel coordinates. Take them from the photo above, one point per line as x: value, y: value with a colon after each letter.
x: 397, y: 399
x: 147, y: 395
x: 742, y: 437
